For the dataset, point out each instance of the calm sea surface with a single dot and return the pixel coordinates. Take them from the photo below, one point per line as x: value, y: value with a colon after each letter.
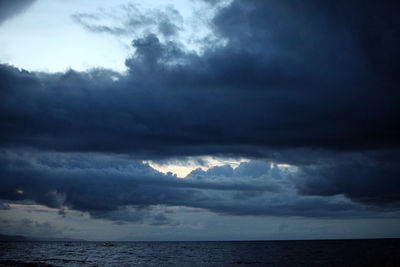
x: 383, y: 252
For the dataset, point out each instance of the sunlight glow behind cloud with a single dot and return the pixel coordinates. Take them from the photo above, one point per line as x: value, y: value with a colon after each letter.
x: 183, y: 167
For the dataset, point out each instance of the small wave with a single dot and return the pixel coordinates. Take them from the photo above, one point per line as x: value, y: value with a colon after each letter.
x: 23, y: 263
x: 249, y: 262
x: 64, y: 260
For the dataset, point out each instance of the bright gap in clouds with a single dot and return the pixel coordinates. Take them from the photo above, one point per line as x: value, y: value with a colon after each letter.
x: 48, y: 36
x: 183, y: 167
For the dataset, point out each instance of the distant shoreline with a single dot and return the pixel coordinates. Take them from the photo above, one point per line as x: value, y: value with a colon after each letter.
x: 20, y: 238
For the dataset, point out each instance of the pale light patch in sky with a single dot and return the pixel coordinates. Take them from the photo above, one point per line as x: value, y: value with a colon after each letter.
x: 46, y: 37
x: 42, y: 222
x: 191, y: 224
x: 183, y: 167
x: 20, y: 192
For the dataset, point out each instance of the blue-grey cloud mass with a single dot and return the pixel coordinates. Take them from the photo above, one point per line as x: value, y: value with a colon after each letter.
x: 308, y: 83
x: 11, y: 8
x: 104, y: 185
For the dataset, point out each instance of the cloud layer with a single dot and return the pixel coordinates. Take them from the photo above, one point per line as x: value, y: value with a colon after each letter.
x: 105, y: 186
x: 311, y: 84
x: 279, y: 82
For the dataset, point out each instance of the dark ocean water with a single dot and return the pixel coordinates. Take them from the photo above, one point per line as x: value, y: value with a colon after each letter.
x: 383, y: 252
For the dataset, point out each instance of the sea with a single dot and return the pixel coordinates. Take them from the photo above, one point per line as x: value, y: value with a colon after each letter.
x: 372, y: 252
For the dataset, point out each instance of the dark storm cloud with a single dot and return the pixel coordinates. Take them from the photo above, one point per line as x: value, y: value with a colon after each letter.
x: 11, y: 8
x: 363, y: 181
x: 290, y: 77
x: 142, y: 215
x: 119, y: 189
x: 309, y: 83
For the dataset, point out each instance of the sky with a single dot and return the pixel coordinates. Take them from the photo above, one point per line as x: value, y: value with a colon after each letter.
x: 199, y: 119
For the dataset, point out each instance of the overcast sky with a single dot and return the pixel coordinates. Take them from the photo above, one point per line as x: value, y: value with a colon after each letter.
x: 199, y: 119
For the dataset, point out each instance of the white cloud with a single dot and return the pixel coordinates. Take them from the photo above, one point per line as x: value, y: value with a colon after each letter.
x: 182, y: 167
